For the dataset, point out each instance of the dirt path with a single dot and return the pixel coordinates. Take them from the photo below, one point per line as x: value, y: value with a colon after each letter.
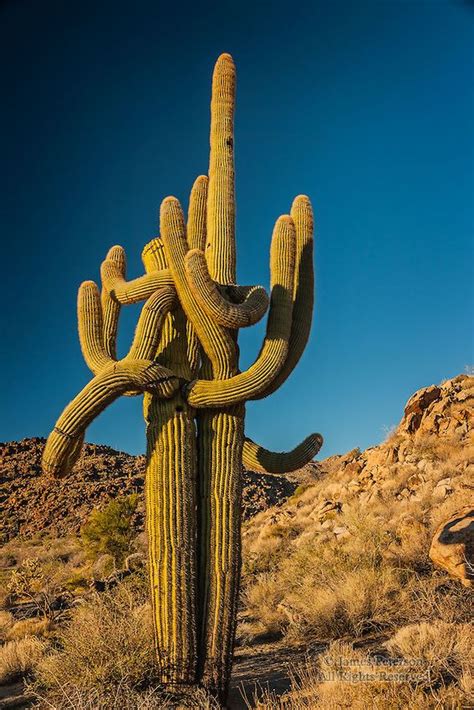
x: 262, y: 667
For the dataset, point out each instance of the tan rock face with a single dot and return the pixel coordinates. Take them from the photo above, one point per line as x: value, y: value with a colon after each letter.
x: 452, y: 548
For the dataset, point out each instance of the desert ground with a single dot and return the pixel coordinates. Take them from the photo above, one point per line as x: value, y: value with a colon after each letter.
x: 356, y: 583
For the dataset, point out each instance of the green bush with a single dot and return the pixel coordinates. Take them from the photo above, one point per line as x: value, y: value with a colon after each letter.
x: 111, y: 530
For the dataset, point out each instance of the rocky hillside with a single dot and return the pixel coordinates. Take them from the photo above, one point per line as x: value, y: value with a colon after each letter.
x: 32, y: 504
x: 429, y: 455
x: 434, y: 437
x: 359, y: 537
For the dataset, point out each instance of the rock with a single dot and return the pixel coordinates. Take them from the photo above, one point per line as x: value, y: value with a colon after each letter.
x: 103, y: 566
x: 415, y: 480
x: 452, y: 548
x: 444, y: 482
x: 134, y: 562
x: 422, y: 399
x: 341, y: 532
x: 443, y: 488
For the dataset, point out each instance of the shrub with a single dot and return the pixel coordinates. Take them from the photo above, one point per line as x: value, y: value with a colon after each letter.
x: 108, y: 644
x: 111, y: 530
x: 37, y: 583
x: 446, y: 649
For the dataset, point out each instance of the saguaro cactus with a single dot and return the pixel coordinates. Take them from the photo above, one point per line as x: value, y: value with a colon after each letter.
x: 184, y: 359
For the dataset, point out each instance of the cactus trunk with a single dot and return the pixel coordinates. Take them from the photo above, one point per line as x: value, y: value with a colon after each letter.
x: 220, y: 463
x: 170, y: 494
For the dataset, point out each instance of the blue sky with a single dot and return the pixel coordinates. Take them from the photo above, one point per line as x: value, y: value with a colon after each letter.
x: 367, y: 107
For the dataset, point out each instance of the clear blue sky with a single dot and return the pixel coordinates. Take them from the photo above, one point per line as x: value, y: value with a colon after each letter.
x: 365, y: 106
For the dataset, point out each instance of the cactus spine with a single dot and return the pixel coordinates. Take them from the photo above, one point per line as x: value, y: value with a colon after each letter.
x: 184, y: 359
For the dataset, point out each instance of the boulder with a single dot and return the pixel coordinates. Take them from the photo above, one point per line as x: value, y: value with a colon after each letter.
x: 452, y: 548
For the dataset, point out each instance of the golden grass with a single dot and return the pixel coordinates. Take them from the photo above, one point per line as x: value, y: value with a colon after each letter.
x: 41, y: 628
x: 447, y: 650
x: 107, y: 643
x: 302, y: 580
x: 20, y: 657
x: 345, y: 678
x: 6, y: 623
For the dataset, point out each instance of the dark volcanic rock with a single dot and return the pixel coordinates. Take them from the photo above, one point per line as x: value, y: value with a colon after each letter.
x: 31, y: 503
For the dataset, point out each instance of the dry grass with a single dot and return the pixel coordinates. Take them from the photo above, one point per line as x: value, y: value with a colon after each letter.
x: 119, y: 698
x: 346, y: 678
x: 105, y: 646
x: 6, y: 623
x: 47, y: 550
x: 18, y: 658
x: 447, y: 650
x: 41, y: 628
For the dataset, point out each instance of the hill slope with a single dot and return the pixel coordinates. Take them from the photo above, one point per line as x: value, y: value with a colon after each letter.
x: 349, y: 551
x: 32, y: 504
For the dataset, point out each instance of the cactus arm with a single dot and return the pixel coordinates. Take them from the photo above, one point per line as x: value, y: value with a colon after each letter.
x: 91, y: 331
x: 139, y: 289
x: 225, y: 313
x: 110, y: 307
x: 147, y: 333
x: 102, y: 390
x: 215, y: 341
x: 256, y: 458
x: 197, y: 217
x: 248, y: 384
x: 220, y: 245
x: 196, y: 235
x: 303, y: 292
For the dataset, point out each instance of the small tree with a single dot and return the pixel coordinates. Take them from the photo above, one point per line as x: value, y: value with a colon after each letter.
x: 111, y: 530
x: 37, y: 584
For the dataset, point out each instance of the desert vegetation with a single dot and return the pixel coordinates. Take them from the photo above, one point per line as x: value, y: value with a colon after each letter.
x: 337, y: 577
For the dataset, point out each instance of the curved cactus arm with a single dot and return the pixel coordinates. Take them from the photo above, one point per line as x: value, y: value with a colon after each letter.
x: 220, y: 243
x: 248, y: 384
x: 91, y: 330
x: 206, y: 291
x: 303, y: 291
x: 110, y: 307
x: 147, y: 333
x: 74, y: 453
x: 62, y: 447
x: 216, y: 342
x: 256, y: 458
x: 133, y: 291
